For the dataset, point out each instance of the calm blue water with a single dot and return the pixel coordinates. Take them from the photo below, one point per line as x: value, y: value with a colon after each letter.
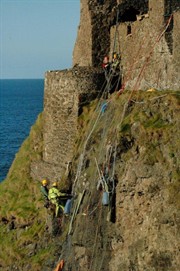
x: 20, y: 103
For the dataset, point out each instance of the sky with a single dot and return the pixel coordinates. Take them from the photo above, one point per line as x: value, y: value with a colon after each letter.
x: 36, y: 36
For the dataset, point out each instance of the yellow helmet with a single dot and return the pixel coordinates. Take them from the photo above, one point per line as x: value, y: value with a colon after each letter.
x: 44, y: 182
x: 115, y: 56
x: 54, y: 184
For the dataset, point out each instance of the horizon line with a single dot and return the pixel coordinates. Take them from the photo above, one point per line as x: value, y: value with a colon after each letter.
x: 22, y: 78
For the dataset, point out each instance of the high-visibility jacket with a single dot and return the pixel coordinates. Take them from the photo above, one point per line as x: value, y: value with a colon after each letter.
x: 54, y: 193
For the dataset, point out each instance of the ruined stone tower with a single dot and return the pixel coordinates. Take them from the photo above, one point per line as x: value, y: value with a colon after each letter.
x: 146, y: 35
x: 144, y: 32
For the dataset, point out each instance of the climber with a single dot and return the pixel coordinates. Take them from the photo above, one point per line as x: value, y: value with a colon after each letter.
x: 115, y: 61
x: 105, y: 63
x: 44, y: 191
x: 57, y: 198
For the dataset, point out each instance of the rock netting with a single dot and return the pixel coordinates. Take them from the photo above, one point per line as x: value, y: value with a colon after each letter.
x: 144, y: 232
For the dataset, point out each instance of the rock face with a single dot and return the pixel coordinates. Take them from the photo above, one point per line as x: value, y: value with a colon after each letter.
x: 142, y: 231
x: 143, y: 32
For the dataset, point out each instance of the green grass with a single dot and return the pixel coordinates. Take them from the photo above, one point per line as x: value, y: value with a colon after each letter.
x: 15, y: 191
x: 125, y: 127
x: 20, y: 196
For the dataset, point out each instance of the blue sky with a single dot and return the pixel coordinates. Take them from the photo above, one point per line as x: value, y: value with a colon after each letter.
x: 36, y: 36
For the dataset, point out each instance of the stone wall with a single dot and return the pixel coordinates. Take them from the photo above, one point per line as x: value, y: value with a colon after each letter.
x: 146, y: 62
x: 83, y: 47
x: 65, y: 91
x: 93, y: 39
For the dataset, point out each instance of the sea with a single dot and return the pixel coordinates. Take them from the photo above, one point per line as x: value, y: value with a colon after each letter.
x: 21, y: 100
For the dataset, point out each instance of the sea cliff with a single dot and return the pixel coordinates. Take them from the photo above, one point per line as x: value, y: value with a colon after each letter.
x: 126, y: 129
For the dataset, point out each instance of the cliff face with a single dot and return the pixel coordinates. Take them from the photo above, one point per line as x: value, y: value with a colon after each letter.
x: 141, y: 231
x: 136, y: 144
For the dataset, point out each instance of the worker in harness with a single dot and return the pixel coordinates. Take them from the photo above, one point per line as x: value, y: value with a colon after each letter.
x: 44, y: 190
x: 106, y: 66
x: 106, y: 63
x: 57, y: 198
x: 115, y: 61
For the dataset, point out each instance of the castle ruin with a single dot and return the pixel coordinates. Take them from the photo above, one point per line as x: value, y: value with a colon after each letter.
x: 146, y: 35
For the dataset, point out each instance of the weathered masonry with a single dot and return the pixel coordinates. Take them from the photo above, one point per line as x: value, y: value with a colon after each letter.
x: 65, y: 92
x: 145, y: 33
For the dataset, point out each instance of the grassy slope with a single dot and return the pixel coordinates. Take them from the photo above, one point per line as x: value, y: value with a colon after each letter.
x: 20, y: 197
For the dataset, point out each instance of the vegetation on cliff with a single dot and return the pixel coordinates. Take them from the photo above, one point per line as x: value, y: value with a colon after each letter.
x: 145, y: 133
x: 142, y: 232
x: 24, y: 240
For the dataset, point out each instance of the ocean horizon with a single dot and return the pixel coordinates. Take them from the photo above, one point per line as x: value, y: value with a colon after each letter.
x: 21, y: 101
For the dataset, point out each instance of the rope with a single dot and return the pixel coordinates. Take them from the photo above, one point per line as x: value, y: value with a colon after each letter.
x: 106, y: 123
x: 80, y: 165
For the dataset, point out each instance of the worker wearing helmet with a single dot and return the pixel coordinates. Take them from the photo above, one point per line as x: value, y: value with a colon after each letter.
x: 44, y: 191
x: 115, y: 61
x: 114, y: 56
x: 55, y: 196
